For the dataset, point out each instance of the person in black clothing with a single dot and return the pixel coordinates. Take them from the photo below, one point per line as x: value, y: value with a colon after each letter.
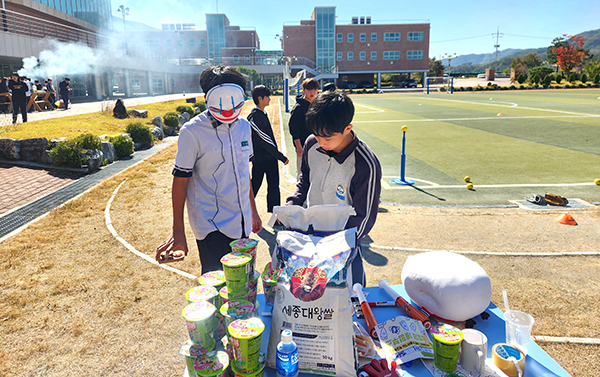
x: 297, y: 123
x: 19, y: 97
x: 52, y: 97
x: 64, y: 90
x: 266, y: 153
x: 4, y: 98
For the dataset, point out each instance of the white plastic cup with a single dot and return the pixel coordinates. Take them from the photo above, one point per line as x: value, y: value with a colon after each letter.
x: 518, y: 329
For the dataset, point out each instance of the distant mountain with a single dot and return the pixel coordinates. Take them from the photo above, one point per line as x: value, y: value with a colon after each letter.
x: 479, y: 62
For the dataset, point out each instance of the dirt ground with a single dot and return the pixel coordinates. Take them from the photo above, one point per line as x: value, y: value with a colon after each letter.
x: 75, y: 301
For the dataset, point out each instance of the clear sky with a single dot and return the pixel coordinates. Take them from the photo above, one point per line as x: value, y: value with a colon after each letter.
x: 459, y: 26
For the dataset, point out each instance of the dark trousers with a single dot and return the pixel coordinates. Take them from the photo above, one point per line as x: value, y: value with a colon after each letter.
x: 358, y: 271
x: 19, y: 105
x: 211, y: 249
x: 65, y: 98
x: 52, y: 100
x: 271, y: 170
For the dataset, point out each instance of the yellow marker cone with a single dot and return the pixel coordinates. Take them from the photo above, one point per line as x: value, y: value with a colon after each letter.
x: 467, y: 178
x: 597, y: 181
x: 470, y: 186
x: 566, y: 219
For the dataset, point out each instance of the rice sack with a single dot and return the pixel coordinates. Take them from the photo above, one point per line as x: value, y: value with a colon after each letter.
x: 312, y: 300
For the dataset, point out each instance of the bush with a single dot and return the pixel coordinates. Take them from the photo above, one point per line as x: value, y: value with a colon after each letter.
x: 584, y: 78
x: 535, y: 79
x: 572, y: 77
x: 540, y: 71
x: 67, y: 153
x: 521, y: 78
x: 140, y: 134
x: 556, y: 86
x: 597, y: 78
x: 123, y: 145
x: 88, y: 141
x: 558, y: 78
x: 200, y: 105
x: 548, y: 79
x: 171, y: 120
x: 185, y: 109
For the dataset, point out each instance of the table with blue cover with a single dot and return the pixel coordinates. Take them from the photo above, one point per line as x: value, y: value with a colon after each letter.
x: 537, y: 364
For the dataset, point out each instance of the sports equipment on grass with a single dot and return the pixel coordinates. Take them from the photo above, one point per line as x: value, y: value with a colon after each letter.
x: 556, y: 200
x: 442, y: 84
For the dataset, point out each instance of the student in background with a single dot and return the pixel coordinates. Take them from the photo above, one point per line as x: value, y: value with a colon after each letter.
x: 297, y: 124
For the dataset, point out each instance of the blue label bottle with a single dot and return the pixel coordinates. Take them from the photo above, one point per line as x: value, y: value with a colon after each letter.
x: 287, y: 356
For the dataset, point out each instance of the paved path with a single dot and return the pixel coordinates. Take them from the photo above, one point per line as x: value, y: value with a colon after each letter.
x: 27, y: 193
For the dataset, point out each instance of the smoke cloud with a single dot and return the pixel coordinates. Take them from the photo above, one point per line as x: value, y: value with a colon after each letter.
x: 62, y: 59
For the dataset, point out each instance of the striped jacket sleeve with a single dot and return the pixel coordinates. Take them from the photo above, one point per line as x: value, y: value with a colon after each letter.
x: 365, y: 189
x: 261, y: 135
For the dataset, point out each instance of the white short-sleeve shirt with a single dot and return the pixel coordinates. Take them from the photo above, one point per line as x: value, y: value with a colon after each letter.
x: 217, y: 160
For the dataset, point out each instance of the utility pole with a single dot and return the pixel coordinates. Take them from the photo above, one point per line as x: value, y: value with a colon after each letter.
x: 496, y: 46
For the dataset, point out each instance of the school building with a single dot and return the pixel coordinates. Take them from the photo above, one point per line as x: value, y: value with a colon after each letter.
x: 355, y: 51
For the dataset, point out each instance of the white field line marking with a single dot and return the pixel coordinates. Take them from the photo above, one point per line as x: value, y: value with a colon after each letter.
x: 291, y: 179
x: 498, y: 254
x: 369, y: 107
x: 481, y: 118
x: 491, y: 103
x: 562, y: 339
x: 129, y: 246
x: 385, y: 183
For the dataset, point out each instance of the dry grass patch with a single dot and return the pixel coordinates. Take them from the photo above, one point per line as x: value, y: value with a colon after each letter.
x: 74, y: 301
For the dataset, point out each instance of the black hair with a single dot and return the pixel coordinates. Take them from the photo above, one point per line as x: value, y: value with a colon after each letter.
x: 67, y: 79
x: 260, y: 91
x: 310, y: 84
x: 220, y: 74
x: 329, y: 113
x: 329, y: 87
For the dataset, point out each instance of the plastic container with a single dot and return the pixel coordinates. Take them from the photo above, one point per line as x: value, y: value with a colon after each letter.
x: 269, y: 284
x: 287, y: 356
x: 212, y: 364
x: 446, y: 346
x: 235, y: 309
x: 250, y: 295
x: 204, y: 293
x: 248, y: 246
x: 259, y: 372
x: 200, y: 321
x: 245, y: 337
x: 236, y: 267
x: 213, y: 279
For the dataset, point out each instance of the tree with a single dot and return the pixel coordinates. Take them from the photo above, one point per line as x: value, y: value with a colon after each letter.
x: 436, y: 68
x: 592, y: 67
x: 251, y: 73
x: 540, y: 71
x: 572, y: 56
x: 524, y: 64
x: 556, y: 42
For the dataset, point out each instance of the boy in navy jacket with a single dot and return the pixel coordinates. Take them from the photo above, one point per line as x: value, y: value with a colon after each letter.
x: 339, y: 168
x: 266, y: 153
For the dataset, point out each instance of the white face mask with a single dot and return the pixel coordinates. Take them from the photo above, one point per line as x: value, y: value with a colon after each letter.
x: 225, y: 102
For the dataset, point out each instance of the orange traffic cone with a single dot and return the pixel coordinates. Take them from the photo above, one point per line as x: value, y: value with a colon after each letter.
x: 566, y: 219
x: 499, y: 114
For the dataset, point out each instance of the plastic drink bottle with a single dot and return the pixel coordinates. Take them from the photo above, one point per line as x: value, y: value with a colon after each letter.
x: 287, y: 356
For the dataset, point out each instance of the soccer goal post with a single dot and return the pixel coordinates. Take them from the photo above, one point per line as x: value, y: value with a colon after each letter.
x: 439, y: 84
x: 292, y: 87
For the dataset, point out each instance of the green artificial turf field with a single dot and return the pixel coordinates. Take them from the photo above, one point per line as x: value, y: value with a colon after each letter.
x: 543, y: 141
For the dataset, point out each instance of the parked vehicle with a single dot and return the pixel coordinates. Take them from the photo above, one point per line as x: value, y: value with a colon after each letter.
x: 410, y: 83
x: 365, y: 84
x: 350, y: 84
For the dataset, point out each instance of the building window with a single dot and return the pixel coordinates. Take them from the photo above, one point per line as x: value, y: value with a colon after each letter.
x: 202, y: 42
x: 373, y: 55
x: 180, y: 42
x: 157, y: 85
x: 246, y: 58
x: 350, y: 56
x: 391, y: 55
x: 391, y: 37
x: 350, y: 37
x: 414, y: 55
x: 373, y: 37
x: 192, y: 43
x: 236, y: 58
x: 363, y: 55
x: 340, y: 56
x: 363, y: 37
x: 416, y: 36
x: 168, y: 43
x: 340, y: 37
